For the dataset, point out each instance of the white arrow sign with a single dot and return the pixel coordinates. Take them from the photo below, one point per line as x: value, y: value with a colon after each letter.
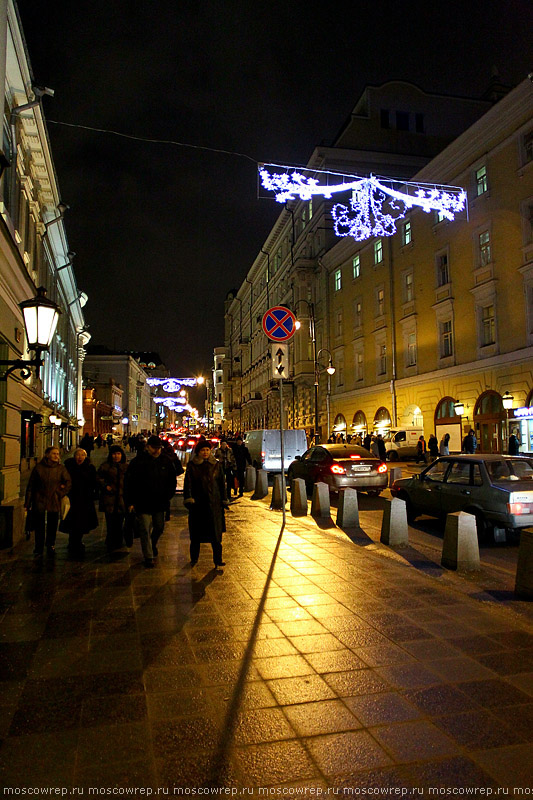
x: 280, y: 360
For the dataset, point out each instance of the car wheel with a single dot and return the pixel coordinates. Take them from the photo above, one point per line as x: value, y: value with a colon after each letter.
x: 410, y: 509
x: 393, y: 455
x: 484, y: 529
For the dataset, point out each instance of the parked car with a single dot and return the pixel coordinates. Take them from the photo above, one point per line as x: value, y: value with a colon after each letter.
x: 496, y: 489
x: 264, y: 447
x: 402, y: 444
x: 341, y: 466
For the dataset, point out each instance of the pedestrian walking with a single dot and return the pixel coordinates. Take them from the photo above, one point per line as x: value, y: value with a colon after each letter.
x: 433, y: 447
x: 367, y: 442
x: 109, y: 440
x: 382, y: 450
x: 469, y: 442
x: 444, y: 446
x: 514, y: 445
x: 225, y: 455
x: 87, y: 443
x: 149, y: 485
x: 204, y: 494
x: 110, y: 477
x: 81, y: 517
x: 421, y: 450
x: 242, y: 459
x: 99, y: 441
x: 49, y: 482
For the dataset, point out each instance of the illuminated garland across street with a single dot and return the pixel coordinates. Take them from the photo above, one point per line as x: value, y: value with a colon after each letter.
x: 174, y: 403
x: 365, y: 216
x: 171, y: 384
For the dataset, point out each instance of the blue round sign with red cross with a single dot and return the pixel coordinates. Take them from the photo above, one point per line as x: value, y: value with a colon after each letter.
x: 279, y: 323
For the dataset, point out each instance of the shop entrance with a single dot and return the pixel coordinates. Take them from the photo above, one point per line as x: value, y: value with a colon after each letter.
x: 490, y: 421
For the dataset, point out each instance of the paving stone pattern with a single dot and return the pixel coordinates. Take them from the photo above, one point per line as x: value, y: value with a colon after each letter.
x: 310, y: 660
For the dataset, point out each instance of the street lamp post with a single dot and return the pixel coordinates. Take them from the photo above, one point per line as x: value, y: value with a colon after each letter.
x: 40, y: 321
x: 312, y: 332
x: 330, y: 369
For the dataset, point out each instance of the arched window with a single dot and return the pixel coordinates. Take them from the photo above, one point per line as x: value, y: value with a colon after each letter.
x: 445, y: 411
x: 489, y: 404
x: 382, y: 418
x: 340, y: 423
x: 359, y: 422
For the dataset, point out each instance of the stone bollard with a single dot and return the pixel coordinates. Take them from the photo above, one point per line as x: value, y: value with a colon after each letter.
x: 394, y: 529
x: 249, y: 480
x: 320, y: 507
x: 348, y: 510
x: 460, y: 548
x: 261, y: 485
x: 395, y: 473
x: 298, y: 498
x: 524, y: 568
x: 278, y: 501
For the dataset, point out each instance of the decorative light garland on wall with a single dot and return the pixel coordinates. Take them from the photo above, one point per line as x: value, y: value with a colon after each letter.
x: 365, y: 216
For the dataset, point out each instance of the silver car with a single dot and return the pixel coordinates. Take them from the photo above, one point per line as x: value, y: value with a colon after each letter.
x: 497, y: 489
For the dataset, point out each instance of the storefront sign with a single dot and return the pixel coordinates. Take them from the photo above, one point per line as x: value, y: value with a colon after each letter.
x: 524, y: 413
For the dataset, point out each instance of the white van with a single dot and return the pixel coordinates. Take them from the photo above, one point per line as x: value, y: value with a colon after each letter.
x: 265, y: 448
x: 401, y: 444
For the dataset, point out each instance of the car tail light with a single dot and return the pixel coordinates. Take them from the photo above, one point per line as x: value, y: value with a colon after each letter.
x: 355, y: 456
x: 181, y: 442
x: 382, y: 468
x: 518, y: 508
x: 337, y: 469
x: 191, y: 442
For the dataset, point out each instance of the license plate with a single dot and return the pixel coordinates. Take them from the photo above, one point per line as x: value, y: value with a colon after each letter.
x: 361, y: 468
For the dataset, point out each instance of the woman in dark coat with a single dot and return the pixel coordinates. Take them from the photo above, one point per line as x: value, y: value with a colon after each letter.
x: 110, y: 478
x: 49, y: 482
x: 82, y: 515
x: 204, y: 494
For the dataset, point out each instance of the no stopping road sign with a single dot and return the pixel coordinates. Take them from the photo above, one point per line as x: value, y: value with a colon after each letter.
x: 279, y: 323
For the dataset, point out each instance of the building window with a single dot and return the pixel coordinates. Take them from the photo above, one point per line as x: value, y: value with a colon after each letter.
x: 380, y: 302
x: 443, y: 271
x: 337, y: 280
x: 378, y: 251
x: 487, y: 326
x: 484, y: 249
x: 339, y: 372
x: 356, y: 266
x: 408, y: 287
x: 338, y: 323
x: 358, y: 366
x: 385, y: 118
x: 419, y: 123
x: 358, y: 313
x: 382, y: 362
x: 411, y: 350
x: 446, y: 339
x: 277, y: 261
x: 528, y: 147
x: 402, y: 120
x: 406, y: 232
x: 481, y: 181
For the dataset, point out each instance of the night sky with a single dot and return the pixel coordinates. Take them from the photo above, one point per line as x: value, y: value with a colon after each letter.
x: 162, y: 232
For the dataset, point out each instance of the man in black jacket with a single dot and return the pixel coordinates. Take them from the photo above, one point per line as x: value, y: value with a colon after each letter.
x: 150, y: 484
x: 242, y: 458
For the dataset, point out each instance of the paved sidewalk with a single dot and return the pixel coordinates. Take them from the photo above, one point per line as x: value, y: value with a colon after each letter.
x: 311, y: 661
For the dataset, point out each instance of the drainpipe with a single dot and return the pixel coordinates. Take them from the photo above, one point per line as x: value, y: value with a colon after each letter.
x: 393, y: 336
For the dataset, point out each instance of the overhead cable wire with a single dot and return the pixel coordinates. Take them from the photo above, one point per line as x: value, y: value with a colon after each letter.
x: 154, y: 141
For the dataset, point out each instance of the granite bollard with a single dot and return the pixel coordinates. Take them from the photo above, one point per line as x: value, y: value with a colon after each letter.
x: 298, y: 498
x: 524, y: 567
x: 348, y: 509
x: 278, y: 500
x: 249, y: 479
x: 460, y: 548
x: 261, y: 485
x: 394, y: 528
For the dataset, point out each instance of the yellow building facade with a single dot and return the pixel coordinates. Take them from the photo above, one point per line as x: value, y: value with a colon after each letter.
x: 439, y: 314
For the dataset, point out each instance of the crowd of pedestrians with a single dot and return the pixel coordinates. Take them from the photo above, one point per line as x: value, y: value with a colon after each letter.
x: 134, y: 496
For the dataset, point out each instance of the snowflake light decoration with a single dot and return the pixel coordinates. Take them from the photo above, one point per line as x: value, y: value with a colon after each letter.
x: 171, y: 384
x: 366, y: 216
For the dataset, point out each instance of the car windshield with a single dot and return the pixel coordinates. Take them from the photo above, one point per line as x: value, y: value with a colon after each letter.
x: 510, y: 469
x: 340, y: 451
